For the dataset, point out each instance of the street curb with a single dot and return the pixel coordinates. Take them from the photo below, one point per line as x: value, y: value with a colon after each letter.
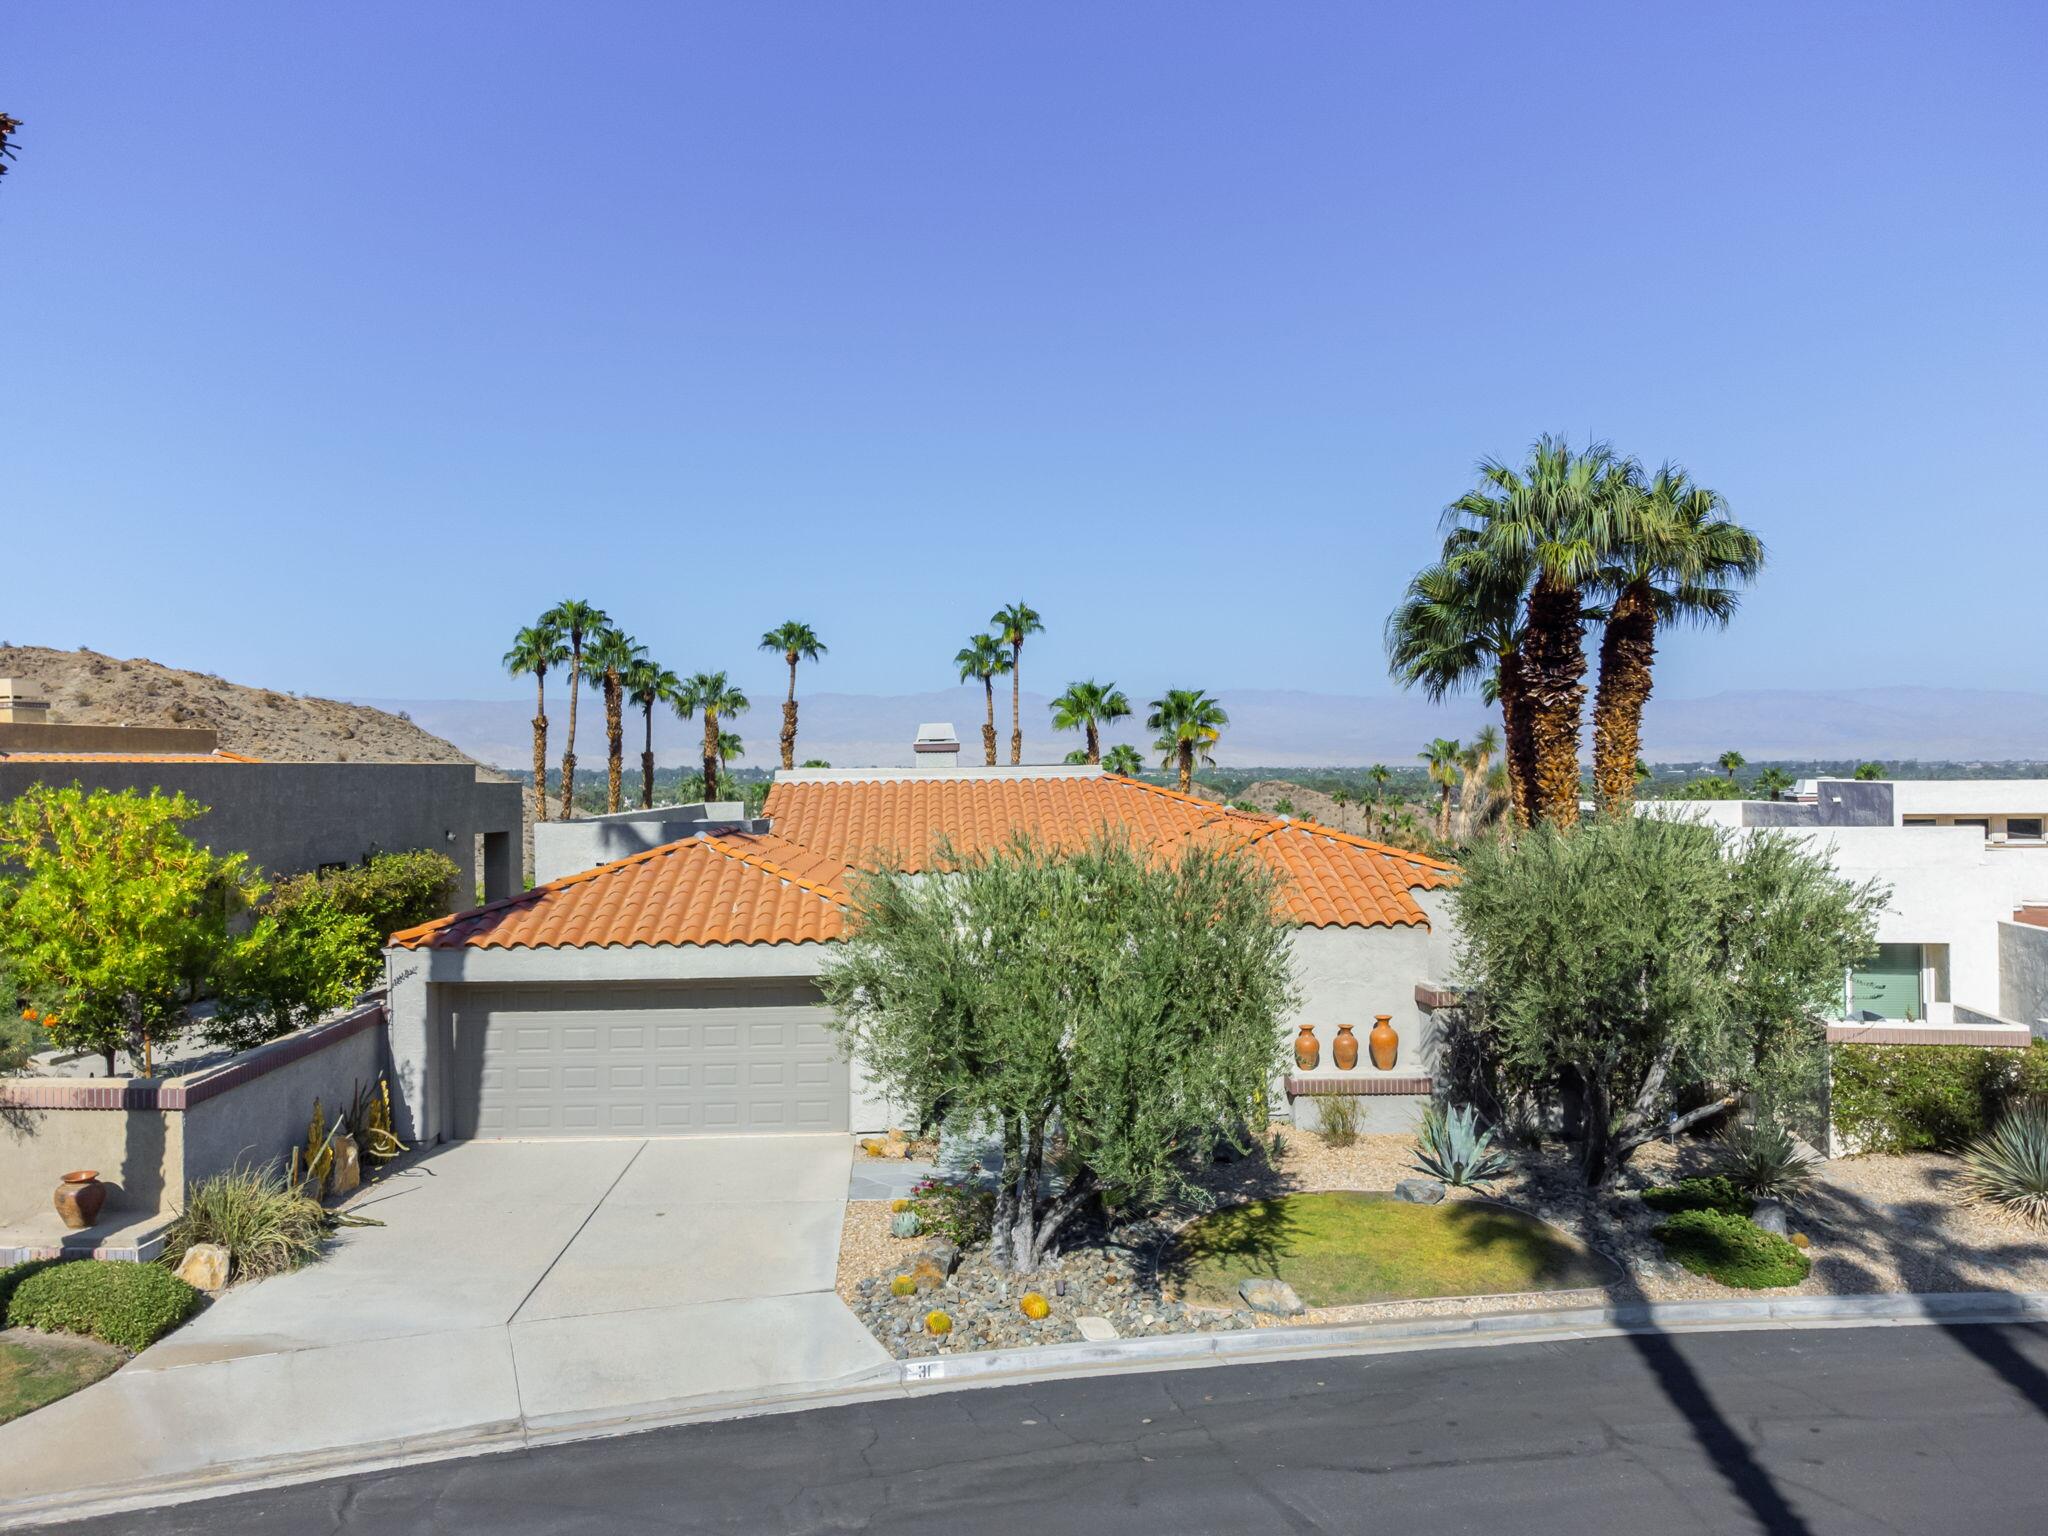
x: 902, y: 1379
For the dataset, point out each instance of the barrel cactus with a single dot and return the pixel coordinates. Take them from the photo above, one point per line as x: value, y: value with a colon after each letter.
x: 937, y: 1324
x: 903, y: 1285
x: 1035, y: 1306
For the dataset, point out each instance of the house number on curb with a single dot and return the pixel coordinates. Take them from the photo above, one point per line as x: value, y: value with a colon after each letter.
x: 924, y: 1370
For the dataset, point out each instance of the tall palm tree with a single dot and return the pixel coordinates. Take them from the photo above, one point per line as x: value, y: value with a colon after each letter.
x: 1550, y: 520
x: 1773, y: 782
x: 535, y: 649
x: 982, y: 660
x: 1011, y: 625
x: 1440, y: 757
x: 1675, y: 556
x: 1732, y: 762
x: 1089, y: 706
x: 730, y: 748
x: 1188, y: 722
x: 1474, y: 763
x: 1123, y: 758
x: 797, y: 642
x: 574, y: 620
x: 1460, y: 626
x: 649, y: 683
x: 711, y: 695
x: 1378, y: 776
x: 610, y: 653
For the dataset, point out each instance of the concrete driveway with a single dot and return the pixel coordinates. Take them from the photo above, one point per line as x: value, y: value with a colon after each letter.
x: 515, y: 1286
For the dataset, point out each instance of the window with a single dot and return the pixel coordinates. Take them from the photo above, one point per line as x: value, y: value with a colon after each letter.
x: 1888, y: 987
x: 2027, y: 828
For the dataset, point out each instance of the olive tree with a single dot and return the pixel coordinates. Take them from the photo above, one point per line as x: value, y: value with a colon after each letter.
x: 1111, y: 1015
x: 1651, y: 973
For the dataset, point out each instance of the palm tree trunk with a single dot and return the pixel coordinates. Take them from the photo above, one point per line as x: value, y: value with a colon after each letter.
x: 1094, y: 743
x: 540, y: 747
x: 1016, y: 705
x: 1185, y: 753
x: 1627, y: 652
x: 1554, y: 661
x: 647, y: 763
x: 614, y: 741
x: 710, y: 755
x: 1443, y: 813
x: 789, y: 720
x: 569, y: 747
x: 1520, y: 741
x: 988, y: 729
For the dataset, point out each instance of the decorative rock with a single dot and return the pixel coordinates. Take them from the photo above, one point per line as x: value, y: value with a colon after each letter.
x: 1772, y: 1217
x: 1096, y: 1330
x: 1274, y: 1296
x: 347, y: 1173
x: 204, y: 1267
x: 941, y: 1255
x: 1419, y: 1191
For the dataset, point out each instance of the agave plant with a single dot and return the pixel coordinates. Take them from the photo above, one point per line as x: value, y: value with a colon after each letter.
x: 1455, y: 1150
x: 2009, y: 1166
x: 1762, y: 1159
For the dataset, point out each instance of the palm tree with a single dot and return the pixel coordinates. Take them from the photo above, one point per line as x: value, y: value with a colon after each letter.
x: 1732, y: 763
x: 1087, y: 707
x: 1123, y: 758
x: 1773, y: 782
x: 611, y: 653
x: 1551, y: 521
x: 1188, y: 722
x: 730, y: 747
x: 1011, y: 625
x: 1459, y: 626
x: 1674, y: 557
x: 573, y: 619
x: 1377, y: 775
x: 1440, y: 757
x: 797, y: 642
x: 711, y: 695
x: 982, y: 660
x: 649, y: 683
x: 1473, y: 765
x: 1869, y: 772
x: 535, y: 649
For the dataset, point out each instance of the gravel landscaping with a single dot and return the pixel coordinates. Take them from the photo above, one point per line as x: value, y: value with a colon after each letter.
x: 1874, y: 1224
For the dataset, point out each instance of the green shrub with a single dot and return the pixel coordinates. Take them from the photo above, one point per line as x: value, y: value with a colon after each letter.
x: 1919, y: 1098
x: 1337, y: 1117
x: 389, y: 892
x: 1763, y: 1160
x: 1715, y: 1192
x: 266, y: 1226
x: 962, y: 1213
x: 2009, y: 1167
x: 297, y: 965
x: 1732, y: 1250
x: 128, y: 1305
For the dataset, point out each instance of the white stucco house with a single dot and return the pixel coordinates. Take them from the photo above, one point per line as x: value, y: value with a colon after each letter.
x: 673, y: 991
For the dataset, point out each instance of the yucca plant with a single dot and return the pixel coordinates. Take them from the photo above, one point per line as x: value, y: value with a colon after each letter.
x: 1455, y: 1150
x: 1762, y: 1159
x: 2009, y: 1166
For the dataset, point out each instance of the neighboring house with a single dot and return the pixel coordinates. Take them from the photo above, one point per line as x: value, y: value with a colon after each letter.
x: 1966, y: 863
x: 287, y: 817
x: 674, y: 992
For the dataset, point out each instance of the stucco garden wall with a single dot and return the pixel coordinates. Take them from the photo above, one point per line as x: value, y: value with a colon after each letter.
x: 2023, y: 975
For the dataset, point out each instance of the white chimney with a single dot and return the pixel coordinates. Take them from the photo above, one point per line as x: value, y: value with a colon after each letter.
x: 937, y: 746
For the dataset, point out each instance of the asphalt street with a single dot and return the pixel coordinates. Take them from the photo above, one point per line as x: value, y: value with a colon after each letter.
x: 1918, y: 1429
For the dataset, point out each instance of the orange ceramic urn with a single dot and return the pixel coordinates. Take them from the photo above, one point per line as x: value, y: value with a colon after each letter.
x: 1344, y: 1049
x: 1386, y: 1043
x: 1306, y: 1052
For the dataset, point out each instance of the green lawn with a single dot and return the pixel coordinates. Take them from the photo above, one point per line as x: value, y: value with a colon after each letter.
x: 1340, y: 1248
x: 39, y: 1368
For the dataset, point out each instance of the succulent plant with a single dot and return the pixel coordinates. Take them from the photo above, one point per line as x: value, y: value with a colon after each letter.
x: 903, y: 1285
x: 1035, y: 1306
x: 905, y: 1224
x: 1761, y: 1158
x: 2009, y: 1166
x: 1454, y: 1150
x: 937, y: 1324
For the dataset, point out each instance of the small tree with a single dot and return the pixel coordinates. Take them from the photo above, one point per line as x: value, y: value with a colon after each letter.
x: 113, y: 919
x: 1636, y: 965
x: 302, y: 960
x: 1106, y: 1014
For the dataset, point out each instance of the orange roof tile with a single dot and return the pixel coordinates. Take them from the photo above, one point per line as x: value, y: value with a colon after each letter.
x: 731, y: 889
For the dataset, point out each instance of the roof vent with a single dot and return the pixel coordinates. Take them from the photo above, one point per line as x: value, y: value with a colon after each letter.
x: 21, y: 704
x: 937, y: 746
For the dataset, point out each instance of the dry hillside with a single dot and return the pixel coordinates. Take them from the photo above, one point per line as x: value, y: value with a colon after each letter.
x: 86, y: 688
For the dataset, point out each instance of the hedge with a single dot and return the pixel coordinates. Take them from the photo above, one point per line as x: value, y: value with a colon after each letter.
x: 1733, y: 1250
x: 1919, y: 1098
x: 129, y: 1305
x: 1711, y: 1192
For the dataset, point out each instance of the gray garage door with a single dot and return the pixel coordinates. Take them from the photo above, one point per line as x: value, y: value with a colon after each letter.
x: 654, y: 1060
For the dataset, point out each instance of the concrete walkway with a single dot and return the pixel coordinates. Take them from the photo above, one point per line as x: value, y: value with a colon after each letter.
x: 516, y: 1286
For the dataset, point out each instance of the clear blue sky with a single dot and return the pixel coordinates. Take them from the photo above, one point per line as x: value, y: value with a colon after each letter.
x: 338, y: 340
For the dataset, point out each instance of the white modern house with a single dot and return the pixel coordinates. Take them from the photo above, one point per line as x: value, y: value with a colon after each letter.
x: 1963, y: 941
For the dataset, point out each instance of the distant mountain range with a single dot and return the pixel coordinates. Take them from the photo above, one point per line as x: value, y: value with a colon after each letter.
x: 1282, y: 727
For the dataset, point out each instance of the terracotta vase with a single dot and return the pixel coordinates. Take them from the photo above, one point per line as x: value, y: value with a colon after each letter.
x: 1344, y: 1049
x: 78, y: 1199
x: 1386, y: 1043
x: 1306, y: 1052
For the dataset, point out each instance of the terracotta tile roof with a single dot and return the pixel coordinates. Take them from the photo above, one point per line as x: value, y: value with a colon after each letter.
x: 126, y: 757
x: 1330, y: 878
x: 733, y: 889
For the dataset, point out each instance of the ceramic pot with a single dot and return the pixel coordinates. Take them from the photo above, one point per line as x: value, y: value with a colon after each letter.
x: 78, y: 1199
x: 1385, y: 1042
x: 1344, y: 1049
x: 1306, y: 1052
